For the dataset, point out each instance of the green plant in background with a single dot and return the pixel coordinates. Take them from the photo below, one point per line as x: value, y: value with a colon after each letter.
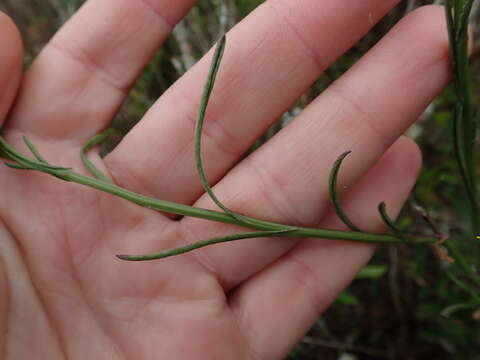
x: 464, y: 125
x: 464, y: 141
x: 462, y: 272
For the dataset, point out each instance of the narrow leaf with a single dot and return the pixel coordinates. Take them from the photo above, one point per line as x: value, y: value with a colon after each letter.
x: 332, y: 189
x: 26, y: 162
x: 16, y: 166
x: 389, y: 222
x: 34, y: 150
x: 207, y: 90
x: 91, y: 143
x: 200, y: 244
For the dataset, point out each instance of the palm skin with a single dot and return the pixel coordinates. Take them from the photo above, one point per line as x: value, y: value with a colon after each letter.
x: 90, y: 304
x: 65, y: 293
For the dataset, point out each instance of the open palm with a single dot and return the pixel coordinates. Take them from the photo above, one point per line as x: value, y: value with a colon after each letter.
x: 65, y: 293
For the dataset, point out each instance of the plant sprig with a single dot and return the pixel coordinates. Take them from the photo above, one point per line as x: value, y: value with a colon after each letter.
x: 67, y: 174
x: 264, y: 228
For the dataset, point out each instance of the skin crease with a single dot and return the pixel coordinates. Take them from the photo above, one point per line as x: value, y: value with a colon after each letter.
x: 67, y: 297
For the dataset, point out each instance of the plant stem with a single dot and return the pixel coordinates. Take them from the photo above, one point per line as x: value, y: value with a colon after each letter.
x: 23, y: 162
x: 253, y: 223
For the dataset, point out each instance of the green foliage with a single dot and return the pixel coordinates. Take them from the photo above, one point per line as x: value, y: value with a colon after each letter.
x: 244, y: 7
x: 372, y: 272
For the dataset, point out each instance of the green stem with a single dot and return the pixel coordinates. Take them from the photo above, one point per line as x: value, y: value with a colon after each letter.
x: 185, y: 210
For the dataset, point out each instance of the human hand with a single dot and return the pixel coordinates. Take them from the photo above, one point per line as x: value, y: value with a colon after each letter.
x: 66, y: 294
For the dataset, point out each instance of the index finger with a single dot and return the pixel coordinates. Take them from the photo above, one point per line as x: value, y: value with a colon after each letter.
x: 11, y: 58
x: 80, y: 79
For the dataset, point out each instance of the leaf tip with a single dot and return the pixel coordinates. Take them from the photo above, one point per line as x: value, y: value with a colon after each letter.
x: 344, y: 155
x: 15, y: 166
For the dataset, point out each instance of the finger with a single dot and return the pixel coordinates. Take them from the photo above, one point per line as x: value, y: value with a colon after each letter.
x: 80, y: 79
x: 271, y: 58
x: 4, y: 304
x: 22, y: 306
x: 288, y: 296
x: 11, y: 60
x: 365, y: 111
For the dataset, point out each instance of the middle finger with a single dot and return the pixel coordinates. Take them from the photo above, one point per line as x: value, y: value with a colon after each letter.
x: 271, y: 58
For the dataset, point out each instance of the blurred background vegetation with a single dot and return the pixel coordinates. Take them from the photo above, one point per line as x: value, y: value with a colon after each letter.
x: 403, y: 305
